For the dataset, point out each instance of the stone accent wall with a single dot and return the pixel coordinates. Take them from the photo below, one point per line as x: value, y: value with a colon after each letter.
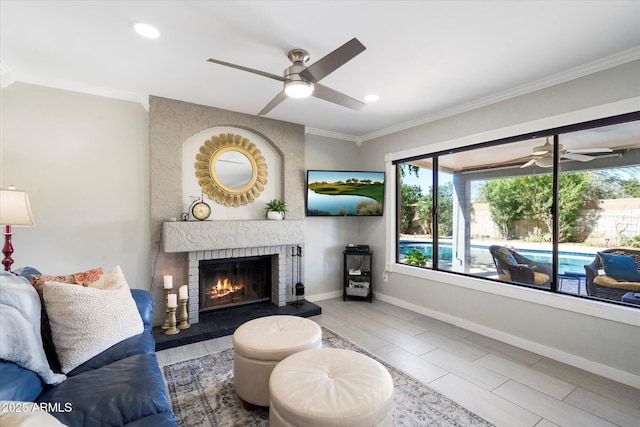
x: 171, y: 123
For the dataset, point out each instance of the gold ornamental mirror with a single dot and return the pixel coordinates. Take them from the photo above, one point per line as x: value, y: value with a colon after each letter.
x: 231, y: 170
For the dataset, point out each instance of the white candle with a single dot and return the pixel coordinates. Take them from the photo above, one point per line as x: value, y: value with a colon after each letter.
x: 168, y: 282
x: 172, y: 302
x: 184, y: 292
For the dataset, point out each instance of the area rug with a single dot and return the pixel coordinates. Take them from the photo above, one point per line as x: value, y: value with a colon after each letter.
x: 201, y: 393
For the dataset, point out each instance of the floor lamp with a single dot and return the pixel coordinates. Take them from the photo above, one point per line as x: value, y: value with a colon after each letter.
x: 14, y: 212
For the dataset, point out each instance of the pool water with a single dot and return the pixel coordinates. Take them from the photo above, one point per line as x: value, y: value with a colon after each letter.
x: 572, y: 262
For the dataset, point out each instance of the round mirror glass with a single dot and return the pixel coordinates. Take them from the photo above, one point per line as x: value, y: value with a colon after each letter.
x: 233, y: 169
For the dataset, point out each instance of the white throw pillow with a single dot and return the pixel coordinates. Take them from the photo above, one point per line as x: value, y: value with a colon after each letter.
x: 85, y: 321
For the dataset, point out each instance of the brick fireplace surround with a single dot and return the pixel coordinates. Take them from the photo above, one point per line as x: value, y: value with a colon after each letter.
x: 204, y: 240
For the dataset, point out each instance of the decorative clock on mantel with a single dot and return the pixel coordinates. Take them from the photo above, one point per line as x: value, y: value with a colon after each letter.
x: 200, y: 209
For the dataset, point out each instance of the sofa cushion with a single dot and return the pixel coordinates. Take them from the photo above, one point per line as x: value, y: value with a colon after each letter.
x: 621, y: 267
x: 18, y: 383
x: 538, y: 278
x: 117, y: 394
x: 610, y: 282
x: 138, y: 344
x: 88, y: 320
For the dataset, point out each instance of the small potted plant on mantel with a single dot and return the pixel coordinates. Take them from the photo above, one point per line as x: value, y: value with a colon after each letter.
x: 275, y: 209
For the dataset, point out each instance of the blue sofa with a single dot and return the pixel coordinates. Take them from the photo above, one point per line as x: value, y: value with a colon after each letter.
x: 121, y: 386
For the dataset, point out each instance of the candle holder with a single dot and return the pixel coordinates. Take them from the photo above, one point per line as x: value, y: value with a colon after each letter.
x: 184, y: 316
x: 165, y: 325
x: 172, y: 330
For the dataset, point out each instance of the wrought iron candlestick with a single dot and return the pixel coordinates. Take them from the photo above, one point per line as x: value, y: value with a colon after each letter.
x: 172, y: 330
x: 184, y: 316
x: 165, y: 325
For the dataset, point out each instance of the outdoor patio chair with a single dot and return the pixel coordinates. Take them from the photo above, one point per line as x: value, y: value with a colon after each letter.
x: 603, y: 285
x: 513, y: 267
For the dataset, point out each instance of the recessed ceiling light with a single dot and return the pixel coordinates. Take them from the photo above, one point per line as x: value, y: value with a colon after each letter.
x: 146, y: 30
x: 371, y: 98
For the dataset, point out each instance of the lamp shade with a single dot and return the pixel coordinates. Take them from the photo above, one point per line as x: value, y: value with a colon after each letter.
x: 15, y: 209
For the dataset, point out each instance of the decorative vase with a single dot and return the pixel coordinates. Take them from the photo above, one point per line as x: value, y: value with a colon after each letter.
x: 275, y: 215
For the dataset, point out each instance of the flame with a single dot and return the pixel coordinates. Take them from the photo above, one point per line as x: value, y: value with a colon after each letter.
x: 222, y: 288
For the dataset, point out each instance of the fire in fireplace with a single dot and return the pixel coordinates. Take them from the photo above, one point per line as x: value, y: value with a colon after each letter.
x: 234, y: 281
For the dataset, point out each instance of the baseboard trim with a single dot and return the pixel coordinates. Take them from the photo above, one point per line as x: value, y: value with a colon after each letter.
x: 614, y: 374
x: 327, y: 295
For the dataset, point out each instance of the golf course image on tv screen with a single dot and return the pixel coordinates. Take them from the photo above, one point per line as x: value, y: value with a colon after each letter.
x: 344, y: 193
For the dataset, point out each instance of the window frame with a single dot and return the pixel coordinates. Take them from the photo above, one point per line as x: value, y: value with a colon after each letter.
x: 609, y: 114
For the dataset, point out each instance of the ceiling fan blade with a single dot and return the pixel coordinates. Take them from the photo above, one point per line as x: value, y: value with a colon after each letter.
x: 251, y: 70
x: 336, y: 97
x: 273, y: 103
x: 575, y: 156
x: 590, y: 150
x: 529, y: 163
x: 332, y: 61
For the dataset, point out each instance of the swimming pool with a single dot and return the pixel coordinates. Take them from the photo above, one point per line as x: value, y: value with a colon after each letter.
x: 572, y: 262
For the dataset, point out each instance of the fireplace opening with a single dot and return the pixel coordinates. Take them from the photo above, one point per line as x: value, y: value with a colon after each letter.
x: 234, y: 281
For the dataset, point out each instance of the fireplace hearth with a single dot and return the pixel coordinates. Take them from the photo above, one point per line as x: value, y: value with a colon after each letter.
x: 235, y: 281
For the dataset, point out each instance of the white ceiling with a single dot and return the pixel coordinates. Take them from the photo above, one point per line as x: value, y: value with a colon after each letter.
x: 425, y: 59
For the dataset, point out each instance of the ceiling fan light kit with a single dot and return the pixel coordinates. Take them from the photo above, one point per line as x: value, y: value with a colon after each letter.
x: 298, y: 89
x: 541, y: 150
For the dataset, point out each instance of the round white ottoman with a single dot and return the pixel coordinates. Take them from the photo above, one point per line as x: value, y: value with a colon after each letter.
x: 330, y: 387
x: 259, y: 344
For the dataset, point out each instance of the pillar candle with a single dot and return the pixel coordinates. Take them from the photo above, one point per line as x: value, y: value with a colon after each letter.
x: 172, y: 302
x: 168, y: 282
x: 184, y: 292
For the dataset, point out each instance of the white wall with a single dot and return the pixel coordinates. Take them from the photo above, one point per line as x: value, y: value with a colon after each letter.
x: 587, y: 334
x: 326, y: 237
x: 84, y: 162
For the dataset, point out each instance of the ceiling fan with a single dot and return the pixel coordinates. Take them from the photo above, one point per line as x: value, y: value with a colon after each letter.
x: 301, y: 81
x: 543, y: 155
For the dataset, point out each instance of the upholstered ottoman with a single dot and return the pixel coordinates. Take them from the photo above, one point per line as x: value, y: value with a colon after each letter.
x: 259, y: 344
x: 330, y: 387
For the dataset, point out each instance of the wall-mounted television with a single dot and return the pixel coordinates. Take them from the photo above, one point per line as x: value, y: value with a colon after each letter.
x: 344, y: 193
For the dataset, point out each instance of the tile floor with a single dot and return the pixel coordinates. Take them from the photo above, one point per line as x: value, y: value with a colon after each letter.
x: 505, y: 385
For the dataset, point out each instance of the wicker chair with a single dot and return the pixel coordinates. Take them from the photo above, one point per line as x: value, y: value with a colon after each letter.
x: 524, y: 271
x: 608, y: 292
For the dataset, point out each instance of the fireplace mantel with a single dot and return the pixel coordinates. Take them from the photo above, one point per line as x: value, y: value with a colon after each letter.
x: 191, y: 236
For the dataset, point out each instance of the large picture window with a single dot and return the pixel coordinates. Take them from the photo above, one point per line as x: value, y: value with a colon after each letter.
x: 540, y: 210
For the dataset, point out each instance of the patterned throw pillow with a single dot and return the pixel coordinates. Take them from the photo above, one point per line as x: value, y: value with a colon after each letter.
x: 85, y: 321
x: 505, y: 255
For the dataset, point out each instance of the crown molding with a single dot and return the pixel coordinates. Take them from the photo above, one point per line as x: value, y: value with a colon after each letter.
x: 565, y: 76
x: 83, y: 88
x: 330, y: 134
